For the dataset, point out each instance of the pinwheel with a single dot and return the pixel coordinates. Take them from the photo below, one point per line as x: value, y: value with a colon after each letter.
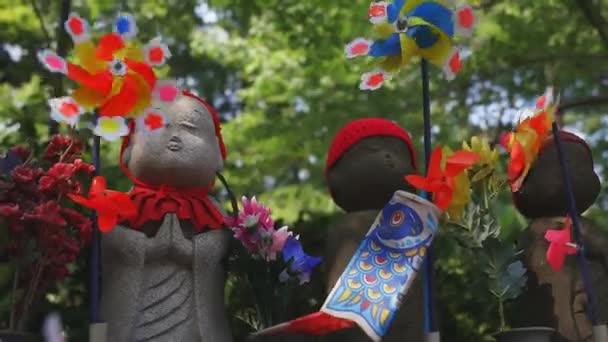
x: 405, y: 29
x: 109, y: 204
x: 560, y: 245
x: 115, y: 76
x: 525, y: 141
x: 441, y: 182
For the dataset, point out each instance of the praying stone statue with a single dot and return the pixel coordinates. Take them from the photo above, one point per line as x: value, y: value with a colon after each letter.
x: 366, y: 164
x: 557, y: 299
x: 164, y: 270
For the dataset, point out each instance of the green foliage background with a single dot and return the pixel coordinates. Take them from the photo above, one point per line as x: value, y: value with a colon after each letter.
x: 276, y: 71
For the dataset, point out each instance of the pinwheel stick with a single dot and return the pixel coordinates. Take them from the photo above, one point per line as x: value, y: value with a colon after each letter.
x: 576, y: 231
x: 94, y: 263
x: 429, y: 316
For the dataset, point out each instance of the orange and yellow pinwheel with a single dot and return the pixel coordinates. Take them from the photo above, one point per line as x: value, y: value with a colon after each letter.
x: 525, y: 141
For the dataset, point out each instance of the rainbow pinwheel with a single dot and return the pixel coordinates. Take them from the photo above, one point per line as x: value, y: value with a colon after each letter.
x: 406, y: 29
x: 525, y: 141
x: 115, y: 77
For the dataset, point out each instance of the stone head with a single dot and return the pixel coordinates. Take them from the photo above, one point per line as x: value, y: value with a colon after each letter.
x: 186, y: 152
x: 543, y: 193
x: 367, y: 162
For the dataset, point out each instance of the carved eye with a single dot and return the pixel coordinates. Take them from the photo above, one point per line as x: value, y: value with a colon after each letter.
x: 187, y: 124
x: 401, y: 25
x: 118, y: 67
x: 397, y: 218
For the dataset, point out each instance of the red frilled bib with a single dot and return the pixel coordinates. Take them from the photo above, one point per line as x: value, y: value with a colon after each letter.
x: 154, y: 202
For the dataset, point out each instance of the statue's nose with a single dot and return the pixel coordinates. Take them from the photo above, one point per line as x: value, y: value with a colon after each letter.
x: 175, y: 139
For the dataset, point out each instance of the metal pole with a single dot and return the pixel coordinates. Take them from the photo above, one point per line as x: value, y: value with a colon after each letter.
x: 600, y: 335
x: 97, y: 328
x: 430, y: 326
x: 95, y: 244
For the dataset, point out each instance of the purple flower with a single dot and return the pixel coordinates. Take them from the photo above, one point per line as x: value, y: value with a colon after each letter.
x: 301, y: 263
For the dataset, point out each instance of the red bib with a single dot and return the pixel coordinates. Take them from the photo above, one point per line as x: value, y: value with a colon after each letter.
x: 194, y: 205
x: 154, y: 202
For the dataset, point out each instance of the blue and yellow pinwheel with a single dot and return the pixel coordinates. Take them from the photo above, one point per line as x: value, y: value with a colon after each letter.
x: 410, y: 28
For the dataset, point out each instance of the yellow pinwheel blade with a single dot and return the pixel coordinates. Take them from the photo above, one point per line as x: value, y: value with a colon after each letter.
x: 85, y: 53
x: 411, y: 4
x: 88, y: 98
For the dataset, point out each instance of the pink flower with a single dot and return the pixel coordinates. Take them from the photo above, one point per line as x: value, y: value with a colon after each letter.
x: 252, y: 208
x: 279, y: 237
x: 254, y: 227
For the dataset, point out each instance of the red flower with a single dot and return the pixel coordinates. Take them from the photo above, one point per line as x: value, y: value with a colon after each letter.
x: 46, y: 183
x: 73, y: 216
x: 109, y: 204
x: 82, y: 167
x: 60, y: 146
x: 10, y: 209
x: 60, y: 272
x: 23, y: 152
x: 85, y: 229
x: 61, y: 171
x: 48, y: 212
x: 75, y: 187
x: 23, y: 174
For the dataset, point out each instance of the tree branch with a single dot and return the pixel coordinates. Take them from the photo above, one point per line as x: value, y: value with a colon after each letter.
x: 45, y: 32
x: 583, y: 102
x: 550, y: 58
x: 62, y: 48
x: 594, y: 16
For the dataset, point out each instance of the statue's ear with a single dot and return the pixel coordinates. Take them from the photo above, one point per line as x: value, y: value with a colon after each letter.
x: 220, y: 161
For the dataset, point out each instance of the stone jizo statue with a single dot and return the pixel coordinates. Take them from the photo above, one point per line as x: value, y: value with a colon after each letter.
x: 163, y: 271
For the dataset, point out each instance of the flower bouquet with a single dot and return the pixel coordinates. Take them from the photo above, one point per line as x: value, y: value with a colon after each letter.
x: 269, y: 264
x: 41, y: 235
x: 472, y: 222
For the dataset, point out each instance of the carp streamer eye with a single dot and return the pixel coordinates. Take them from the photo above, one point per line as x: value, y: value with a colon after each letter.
x: 397, y: 218
x: 402, y: 25
x: 118, y: 67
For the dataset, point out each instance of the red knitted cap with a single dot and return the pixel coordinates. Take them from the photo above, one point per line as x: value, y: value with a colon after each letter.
x: 360, y: 129
x: 565, y: 136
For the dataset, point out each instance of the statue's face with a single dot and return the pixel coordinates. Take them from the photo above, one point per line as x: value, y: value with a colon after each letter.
x: 543, y: 193
x: 369, y: 173
x: 184, y: 153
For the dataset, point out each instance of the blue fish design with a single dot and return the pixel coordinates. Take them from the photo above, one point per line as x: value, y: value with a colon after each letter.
x: 382, y: 269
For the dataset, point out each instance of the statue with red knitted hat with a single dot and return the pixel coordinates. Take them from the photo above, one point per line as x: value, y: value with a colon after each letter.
x: 163, y: 269
x: 555, y: 295
x: 365, y: 165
